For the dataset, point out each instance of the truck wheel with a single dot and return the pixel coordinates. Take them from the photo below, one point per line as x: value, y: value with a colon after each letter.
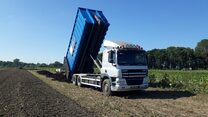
x: 74, y: 80
x: 79, y: 81
x: 106, y: 88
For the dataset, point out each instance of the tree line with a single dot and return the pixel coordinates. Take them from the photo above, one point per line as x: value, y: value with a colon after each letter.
x: 19, y: 64
x: 180, y: 57
x: 169, y: 58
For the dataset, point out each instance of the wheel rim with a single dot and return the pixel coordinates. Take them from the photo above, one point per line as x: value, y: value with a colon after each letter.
x: 79, y: 81
x: 74, y: 80
x: 106, y: 87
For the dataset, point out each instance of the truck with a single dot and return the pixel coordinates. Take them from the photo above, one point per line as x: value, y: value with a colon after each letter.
x: 123, y: 66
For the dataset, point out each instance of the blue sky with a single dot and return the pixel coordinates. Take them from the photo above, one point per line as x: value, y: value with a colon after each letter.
x: 39, y: 30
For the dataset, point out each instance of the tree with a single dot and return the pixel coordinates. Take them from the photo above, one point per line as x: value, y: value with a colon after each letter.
x: 56, y: 64
x: 201, y: 53
x: 202, y: 48
x: 172, y: 58
x: 1, y: 64
x: 16, y: 62
x: 43, y: 65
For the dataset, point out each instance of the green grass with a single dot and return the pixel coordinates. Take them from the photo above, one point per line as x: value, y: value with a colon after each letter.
x: 195, y: 81
x: 50, y: 69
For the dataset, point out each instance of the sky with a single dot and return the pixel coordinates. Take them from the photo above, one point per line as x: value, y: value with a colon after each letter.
x: 38, y: 31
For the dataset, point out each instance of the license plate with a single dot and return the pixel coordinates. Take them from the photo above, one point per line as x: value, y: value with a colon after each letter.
x: 134, y: 87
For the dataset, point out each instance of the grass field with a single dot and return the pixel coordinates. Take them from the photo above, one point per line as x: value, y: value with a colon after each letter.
x: 193, y: 81
x: 50, y: 69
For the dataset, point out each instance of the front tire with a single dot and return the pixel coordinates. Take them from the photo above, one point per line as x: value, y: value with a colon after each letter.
x: 79, y: 81
x: 106, y: 87
x: 74, y: 80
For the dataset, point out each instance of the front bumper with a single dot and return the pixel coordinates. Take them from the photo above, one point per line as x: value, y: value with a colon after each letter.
x: 120, y: 84
x: 128, y: 88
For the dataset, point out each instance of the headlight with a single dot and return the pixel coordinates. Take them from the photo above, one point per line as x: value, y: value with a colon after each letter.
x: 121, y: 82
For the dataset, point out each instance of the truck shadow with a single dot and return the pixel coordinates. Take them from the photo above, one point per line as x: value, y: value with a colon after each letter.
x: 54, y: 76
x: 155, y: 94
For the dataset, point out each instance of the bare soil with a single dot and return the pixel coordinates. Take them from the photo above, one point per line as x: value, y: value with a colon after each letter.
x: 150, y: 102
x: 22, y: 94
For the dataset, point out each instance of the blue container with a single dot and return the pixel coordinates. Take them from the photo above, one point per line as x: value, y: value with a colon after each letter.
x: 88, y: 33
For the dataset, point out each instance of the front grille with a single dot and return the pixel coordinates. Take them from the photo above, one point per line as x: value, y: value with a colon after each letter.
x: 134, y: 76
x: 134, y: 81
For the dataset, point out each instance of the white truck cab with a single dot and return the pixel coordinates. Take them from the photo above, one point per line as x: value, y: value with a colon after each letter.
x: 126, y: 65
x: 124, y: 68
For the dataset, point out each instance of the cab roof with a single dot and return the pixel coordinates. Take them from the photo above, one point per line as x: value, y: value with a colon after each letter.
x: 120, y: 44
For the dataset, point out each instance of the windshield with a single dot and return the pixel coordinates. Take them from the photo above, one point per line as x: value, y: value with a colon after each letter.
x: 132, y: 57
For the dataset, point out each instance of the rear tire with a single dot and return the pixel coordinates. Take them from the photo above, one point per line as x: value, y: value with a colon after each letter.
x: 106, y: 87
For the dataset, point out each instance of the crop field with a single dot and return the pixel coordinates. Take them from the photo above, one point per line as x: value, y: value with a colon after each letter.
x: 195, y: 81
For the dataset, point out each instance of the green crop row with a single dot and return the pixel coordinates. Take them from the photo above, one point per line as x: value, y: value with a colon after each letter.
x: 193, y: 81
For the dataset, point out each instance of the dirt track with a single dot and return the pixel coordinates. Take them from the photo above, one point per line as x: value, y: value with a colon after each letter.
x: 21, y: 94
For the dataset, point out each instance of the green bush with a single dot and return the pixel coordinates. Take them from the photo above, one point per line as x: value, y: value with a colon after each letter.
x: 152, y: 78
x: 193, y: 81
x: 165, y: 81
